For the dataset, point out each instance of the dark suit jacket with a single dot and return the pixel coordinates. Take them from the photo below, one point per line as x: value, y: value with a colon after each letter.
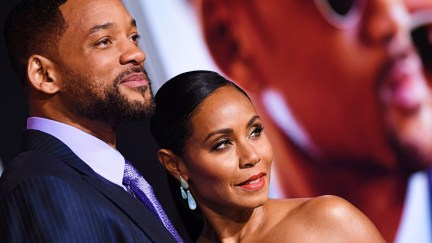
x: 48, y: 194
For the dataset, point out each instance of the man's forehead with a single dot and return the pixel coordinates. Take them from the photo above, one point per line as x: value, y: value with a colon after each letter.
x: 90, y: 12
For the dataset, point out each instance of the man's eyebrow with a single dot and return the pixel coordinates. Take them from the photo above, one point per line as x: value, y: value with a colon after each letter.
x: 107, y: 26
x: 100, y: 27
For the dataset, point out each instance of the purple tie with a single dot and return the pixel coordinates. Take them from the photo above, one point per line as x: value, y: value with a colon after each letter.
x: 139, y: 187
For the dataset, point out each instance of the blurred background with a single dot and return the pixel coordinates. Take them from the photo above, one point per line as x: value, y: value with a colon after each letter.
x: 174, y: 43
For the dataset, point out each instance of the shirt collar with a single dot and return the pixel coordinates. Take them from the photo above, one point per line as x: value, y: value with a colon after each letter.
x: 415, y: 223
x: 102, y: 158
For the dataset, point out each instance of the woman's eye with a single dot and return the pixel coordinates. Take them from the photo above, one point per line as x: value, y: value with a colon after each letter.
x: 256, y: 132
x: 222, y: 144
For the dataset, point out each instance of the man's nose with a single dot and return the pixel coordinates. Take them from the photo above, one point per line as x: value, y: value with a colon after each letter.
x: 384, y: 21
x: 131, y: 53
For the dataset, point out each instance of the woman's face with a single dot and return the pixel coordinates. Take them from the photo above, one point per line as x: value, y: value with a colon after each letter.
x: 228, y: 156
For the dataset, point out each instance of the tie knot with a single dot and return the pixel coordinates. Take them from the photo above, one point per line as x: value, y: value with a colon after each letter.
x: 130, y: 173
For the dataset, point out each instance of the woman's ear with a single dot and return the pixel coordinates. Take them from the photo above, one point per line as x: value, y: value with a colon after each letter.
x: 42, y: 74
x: 171, y: 162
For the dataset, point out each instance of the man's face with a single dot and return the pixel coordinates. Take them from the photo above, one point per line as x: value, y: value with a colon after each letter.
x: 417, y: 135
x: 353, y: 81
x: 101, y: 66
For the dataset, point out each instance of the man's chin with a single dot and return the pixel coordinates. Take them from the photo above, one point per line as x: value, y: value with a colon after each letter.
x: 140, y: 94
x: 120, y: 108
x: 414, y: 135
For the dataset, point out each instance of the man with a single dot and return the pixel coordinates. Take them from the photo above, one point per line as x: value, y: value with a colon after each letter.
x: 84, y: 74
x: 340, y: 85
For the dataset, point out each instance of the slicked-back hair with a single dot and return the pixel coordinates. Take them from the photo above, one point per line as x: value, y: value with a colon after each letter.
x: 33, y: 27
x: 177, y: 101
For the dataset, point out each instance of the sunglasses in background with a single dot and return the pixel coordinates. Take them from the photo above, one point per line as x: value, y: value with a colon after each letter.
x: 421, y: 33
x: 340, y: 13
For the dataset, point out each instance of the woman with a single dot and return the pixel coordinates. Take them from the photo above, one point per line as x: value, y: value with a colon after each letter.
x: 213, y: 141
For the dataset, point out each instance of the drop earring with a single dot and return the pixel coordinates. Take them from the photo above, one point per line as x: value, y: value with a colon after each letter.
x: 185, y: 193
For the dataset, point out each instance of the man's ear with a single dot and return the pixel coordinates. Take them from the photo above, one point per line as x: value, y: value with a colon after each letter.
x: 42, y: 74
x: 222, y: 25
x: 218, y: 34
x: 172, y: 163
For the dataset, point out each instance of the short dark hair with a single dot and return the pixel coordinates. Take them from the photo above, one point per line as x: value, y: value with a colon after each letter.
x: 33, y: 27
x: 176, y: 102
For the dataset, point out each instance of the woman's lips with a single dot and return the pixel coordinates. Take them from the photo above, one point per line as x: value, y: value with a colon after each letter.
x: 135, y: 80
x: 254, y: 183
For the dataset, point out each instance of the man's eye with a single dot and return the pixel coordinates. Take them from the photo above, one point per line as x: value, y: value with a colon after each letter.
x: 104, y: 42
x: 135, y: 38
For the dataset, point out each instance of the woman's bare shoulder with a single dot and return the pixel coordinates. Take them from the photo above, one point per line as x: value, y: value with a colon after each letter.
x: 320, y: 219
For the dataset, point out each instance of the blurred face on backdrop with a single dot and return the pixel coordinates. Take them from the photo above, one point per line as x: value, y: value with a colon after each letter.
x: 347, y: 70
x: 100, y: 63
x: 417, y: 132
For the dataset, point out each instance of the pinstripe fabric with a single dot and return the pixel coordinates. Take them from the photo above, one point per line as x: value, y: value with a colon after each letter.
x: 47, y: 194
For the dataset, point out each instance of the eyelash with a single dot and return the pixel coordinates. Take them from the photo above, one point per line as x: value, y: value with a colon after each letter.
x: 105, y: 41
x: 102, y: 41
x: 136, y: 38
x: 223, y: 141
x: 256, y: 132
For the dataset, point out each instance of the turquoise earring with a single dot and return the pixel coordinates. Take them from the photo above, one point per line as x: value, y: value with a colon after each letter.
x: 186, y: 193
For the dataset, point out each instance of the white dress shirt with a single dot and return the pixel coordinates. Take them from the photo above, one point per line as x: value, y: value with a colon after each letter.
x: 415, y: 225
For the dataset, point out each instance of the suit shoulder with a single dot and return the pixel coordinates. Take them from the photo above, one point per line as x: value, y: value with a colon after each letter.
x: 50, y: 208
x: 31, y: 165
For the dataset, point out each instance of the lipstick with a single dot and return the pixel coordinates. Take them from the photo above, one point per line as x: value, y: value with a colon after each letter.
x: 254, y: 183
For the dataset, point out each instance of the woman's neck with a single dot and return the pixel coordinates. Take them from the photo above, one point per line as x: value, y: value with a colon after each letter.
x: 230, y: 225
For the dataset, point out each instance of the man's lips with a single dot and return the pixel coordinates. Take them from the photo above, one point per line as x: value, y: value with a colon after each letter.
x: 254, y: 183
x: 135, y: 80
x: 404, y: 86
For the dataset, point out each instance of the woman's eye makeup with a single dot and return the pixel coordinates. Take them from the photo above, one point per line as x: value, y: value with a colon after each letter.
x: 221, y: 144
x: 257, y: 130
x: 224, y: 142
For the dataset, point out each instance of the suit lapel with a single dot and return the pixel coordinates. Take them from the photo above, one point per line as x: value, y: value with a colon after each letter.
x: 137, y: 211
